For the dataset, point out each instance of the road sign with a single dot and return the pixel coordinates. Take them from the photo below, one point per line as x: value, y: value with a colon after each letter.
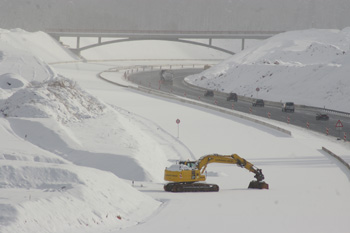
x: 339, y: 124
x: 178, y: 127
x: 257, y: 92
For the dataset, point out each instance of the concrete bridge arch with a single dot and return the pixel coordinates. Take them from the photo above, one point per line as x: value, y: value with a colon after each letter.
x: 79, y: 49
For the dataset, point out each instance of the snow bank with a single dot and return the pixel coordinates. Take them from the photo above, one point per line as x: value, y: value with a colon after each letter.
x: 39, y: 44
x: 48, y: 126
x: 59, y: 97
x: 308, y: 67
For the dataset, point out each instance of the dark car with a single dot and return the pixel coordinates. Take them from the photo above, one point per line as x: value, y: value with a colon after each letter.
x: 209, y: 93
x: 288, y: 107
x: 322, y: 117
x: 232, y: 96
x: 258, y: 103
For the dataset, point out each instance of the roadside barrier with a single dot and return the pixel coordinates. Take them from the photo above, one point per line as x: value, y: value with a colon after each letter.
x: 276, y: 104
x: 212, y: 107
x: 201, y: 104
x: 337, y: 157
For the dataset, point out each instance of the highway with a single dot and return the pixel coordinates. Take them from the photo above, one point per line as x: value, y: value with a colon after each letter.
x: 301, y: 117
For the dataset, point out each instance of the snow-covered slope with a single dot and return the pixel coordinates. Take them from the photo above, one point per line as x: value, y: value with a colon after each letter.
x: 49, y: 126
x: 308, y: 67
x: 39, y: 44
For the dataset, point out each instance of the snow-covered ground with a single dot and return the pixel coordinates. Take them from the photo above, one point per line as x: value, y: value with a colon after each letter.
x: 308, y: 67
x: 72, y: 145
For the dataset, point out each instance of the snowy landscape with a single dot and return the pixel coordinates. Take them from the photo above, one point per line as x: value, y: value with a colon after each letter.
x: 79, y: 154
x: 289, y: 67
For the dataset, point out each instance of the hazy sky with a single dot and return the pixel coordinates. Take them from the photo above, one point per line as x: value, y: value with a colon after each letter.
x: 186, y: 15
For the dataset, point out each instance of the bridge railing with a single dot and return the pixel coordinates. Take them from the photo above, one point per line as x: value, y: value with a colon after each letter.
x: 87, y: 31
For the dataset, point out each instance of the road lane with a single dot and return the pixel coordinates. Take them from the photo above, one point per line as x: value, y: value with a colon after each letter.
x: 301, y: 117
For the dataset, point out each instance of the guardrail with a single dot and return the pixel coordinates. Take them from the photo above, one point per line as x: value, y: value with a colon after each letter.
x: 212, y: 107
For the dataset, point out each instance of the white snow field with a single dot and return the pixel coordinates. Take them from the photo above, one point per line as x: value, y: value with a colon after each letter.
x: 79, y: 154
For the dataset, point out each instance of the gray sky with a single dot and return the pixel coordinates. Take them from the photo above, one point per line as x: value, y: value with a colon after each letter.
x: 183, y: 15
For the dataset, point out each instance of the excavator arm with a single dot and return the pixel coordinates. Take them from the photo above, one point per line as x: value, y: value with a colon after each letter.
x: 230, y: 159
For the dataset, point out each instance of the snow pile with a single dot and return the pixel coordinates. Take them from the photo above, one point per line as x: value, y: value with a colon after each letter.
x: 59, y: 97
x: 48, y: 126
x: 38, y: 44
x: 288, y: 67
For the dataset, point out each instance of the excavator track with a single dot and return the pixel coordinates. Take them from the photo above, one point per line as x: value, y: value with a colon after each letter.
x: 191, y: 187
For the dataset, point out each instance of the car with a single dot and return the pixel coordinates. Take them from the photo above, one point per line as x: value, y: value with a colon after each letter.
x: 258, y: 103
x: 232, y: 96
x: 209, y: 93
x: 288, y: 107
x: 166, y: 76
x: 322, y: 117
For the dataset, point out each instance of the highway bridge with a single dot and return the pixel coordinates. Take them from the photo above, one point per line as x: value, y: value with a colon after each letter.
x: 171, y: 20
x: 188, y: 37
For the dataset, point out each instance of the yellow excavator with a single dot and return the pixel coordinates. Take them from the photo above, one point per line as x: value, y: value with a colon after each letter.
x: 184, y: 176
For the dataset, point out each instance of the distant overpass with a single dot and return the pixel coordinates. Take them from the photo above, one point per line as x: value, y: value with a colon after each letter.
x: 176, y: 36
x: 172, y: 20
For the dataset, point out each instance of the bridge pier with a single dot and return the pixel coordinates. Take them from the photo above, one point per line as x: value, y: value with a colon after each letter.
x: 243, y: 43
x: 78, y: 42
x: 75, y: 51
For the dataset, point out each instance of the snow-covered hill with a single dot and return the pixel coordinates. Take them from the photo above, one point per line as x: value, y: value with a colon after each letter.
x: 62, y: 148
x: 308, y: 67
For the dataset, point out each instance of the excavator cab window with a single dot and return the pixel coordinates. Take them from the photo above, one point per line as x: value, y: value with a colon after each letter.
x: 190, y: 164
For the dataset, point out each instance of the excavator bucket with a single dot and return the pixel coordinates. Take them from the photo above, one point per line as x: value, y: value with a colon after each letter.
x: 258, y: 185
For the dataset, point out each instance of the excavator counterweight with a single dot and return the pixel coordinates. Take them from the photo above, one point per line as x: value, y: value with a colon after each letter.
x: 185, y: 176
